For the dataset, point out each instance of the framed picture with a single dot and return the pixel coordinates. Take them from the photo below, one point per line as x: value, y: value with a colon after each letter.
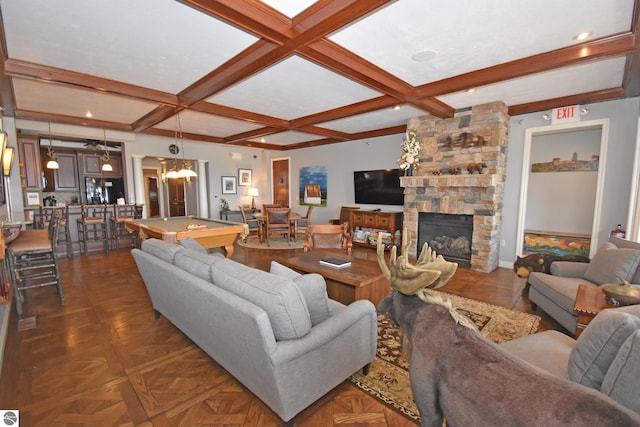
x: 229, y: 184
x: 244, y: 176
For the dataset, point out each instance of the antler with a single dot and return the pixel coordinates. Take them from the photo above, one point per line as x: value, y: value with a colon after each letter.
x: 430, y: 271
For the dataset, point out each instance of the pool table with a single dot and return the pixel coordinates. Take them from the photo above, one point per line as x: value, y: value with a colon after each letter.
x: 211, y: 233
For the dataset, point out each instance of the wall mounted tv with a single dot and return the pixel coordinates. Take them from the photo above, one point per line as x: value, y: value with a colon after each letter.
x: 378, y: 187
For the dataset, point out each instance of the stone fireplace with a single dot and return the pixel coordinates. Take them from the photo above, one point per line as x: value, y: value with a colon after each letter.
x: 462, y: 172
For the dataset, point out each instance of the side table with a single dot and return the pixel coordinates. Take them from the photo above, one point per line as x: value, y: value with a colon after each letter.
x: 590, y: 301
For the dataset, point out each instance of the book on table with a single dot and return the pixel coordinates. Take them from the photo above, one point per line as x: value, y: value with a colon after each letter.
x: 335, y: 262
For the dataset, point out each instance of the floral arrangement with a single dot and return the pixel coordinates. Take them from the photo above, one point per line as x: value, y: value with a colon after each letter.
x: 411, y: 151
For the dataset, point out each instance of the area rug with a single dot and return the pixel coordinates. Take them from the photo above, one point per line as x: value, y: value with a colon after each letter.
x: 388, y: 378
x: 274, y: 243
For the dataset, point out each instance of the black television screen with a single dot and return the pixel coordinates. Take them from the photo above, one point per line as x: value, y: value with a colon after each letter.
x: 378, y: 187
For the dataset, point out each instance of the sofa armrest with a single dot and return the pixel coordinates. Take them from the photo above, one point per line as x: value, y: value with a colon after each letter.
x: 569, y: 268
x: 359, y: 314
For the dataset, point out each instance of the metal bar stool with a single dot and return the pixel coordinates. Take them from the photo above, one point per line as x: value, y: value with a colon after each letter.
x: 92, y: 227
x: 118, y: 230
x: 33, y: 263
x: 64, y: 234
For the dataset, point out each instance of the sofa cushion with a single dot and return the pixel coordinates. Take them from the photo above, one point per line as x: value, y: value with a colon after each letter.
x: 161, y: 249
x: 598, y: 345
x: 313, y: 287
x: 612, y: 264
x: 278, y: 296
x: 192, y: 243
x: 196, y: 262
x: 622, y: 380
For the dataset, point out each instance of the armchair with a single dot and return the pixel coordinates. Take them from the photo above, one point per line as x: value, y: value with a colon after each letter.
x: 327, y: 236
x: 344, y: 215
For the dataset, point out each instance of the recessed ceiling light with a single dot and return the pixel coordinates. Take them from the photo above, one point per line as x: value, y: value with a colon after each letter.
x: 397, y: 107
x: 471, y: 90
x: 88, y: 114
x: 424, y: 55
x: 583, y: 36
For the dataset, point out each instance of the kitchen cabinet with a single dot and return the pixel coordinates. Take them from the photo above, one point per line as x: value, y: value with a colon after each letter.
x: 29, y: 162
x: 63, y: 179
x: 92, y: 165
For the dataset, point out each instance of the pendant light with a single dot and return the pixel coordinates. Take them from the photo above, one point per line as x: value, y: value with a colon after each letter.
x: 185, y: 171
x: 106, y: 167
x: 52, y: 163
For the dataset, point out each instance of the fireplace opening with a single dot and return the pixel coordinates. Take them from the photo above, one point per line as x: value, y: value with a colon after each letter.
x: 449, y: 235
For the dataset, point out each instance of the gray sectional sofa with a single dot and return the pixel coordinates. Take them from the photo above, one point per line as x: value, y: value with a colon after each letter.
x: 276, y: 332
x: 555, y: 293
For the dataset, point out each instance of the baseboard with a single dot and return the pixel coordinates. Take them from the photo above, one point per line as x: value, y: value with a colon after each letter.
x: 505, y: 264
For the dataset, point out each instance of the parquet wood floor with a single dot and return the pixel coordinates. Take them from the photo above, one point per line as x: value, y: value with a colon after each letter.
x: 103, y: 359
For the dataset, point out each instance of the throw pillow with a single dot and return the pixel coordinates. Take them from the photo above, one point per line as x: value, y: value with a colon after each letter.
x: 161, y: 249
x: 598, y: 346
x: 279, y: 297
x: 313, y: 287
x: 192, y: 243
x: 623, y: 377
x: 612, y: 264
x: 283, y: 271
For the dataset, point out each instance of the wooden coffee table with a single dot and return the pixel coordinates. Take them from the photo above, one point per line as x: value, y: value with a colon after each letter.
x: 589, y: 302
x: 362, y: 280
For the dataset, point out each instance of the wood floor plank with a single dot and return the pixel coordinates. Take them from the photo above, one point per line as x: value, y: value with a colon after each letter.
x: 103, y: 358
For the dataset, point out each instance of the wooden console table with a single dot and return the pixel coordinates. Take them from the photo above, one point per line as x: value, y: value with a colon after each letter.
x: 589, y: 302
x: 378, y: 220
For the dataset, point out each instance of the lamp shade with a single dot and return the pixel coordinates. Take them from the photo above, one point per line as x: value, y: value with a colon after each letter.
x: 107, y: 167
x: 253, y: 192
x: 52, y: 164
x: 7, y: 160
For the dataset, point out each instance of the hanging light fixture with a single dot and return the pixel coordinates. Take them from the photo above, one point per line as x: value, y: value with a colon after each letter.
x: 106, y: 166
x: 185, y: 171
x: 52, y: 163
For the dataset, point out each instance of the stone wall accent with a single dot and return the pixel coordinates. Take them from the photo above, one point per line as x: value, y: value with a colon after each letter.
x: 442, y: 183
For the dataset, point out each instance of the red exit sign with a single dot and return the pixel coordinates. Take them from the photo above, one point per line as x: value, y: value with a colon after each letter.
x: 567, y: 114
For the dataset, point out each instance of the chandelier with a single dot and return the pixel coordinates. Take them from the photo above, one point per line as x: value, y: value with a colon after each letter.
x: 106, y: 166
x: 185, y: 171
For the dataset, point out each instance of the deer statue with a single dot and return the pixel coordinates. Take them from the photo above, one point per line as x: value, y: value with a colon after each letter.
x: 459, y: 375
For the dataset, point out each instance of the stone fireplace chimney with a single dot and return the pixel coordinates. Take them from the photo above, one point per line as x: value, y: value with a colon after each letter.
x: 462, y: 172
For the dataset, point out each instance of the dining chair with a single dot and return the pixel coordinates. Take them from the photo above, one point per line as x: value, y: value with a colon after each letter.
x: 278, y: 220
x: 253, y: 225
x: 303, y: 222
x: 327, y: 236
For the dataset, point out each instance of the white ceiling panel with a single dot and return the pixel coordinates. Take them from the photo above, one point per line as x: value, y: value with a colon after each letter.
x: 207, y: 124
x: 477, y: 35
x: 158, y: 44
x: 561, y: 82
x: 378, y: 119
x: 285, y: 90
x: 289, y: 8
x: 287, y: 138
x: 59, y: 100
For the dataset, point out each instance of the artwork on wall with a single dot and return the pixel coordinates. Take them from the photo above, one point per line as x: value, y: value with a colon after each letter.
x: 244, y: 177
x: 229, y: 185
x: 543, y: 242
x: 313, y: 185
x: 573, y: 165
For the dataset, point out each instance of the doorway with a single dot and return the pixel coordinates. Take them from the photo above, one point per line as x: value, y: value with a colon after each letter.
x: 153, y: 196
x: 562, y: 182
x: 280, y: 181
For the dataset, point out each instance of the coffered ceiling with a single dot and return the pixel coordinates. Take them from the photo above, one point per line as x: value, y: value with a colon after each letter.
x: 285, y: 74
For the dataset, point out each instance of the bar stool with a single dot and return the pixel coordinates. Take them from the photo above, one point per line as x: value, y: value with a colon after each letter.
x: 33, y: 263
x: 121, y: 213
x: 64, y: 234
x: 92, y: 227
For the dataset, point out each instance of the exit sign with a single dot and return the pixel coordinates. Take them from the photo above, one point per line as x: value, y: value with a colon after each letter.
x: 567, y: 114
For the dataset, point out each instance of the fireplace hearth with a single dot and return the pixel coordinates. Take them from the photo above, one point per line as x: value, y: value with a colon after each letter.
x: 449, y: 235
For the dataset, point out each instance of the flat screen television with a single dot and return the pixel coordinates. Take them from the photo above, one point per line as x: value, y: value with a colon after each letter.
x: 378, y: 187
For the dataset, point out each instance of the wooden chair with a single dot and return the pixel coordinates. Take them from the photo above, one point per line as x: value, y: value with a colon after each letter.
x: 253, y: 225
x: 345, y: 211
x: 303, y: 222
x: 266, y: 206
x: 327, y: 236
x: 278, y: 220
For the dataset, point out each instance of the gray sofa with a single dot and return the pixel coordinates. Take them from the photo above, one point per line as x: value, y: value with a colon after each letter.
x: 276, y: 332
x: 606, y: 356
x: 555, y: 293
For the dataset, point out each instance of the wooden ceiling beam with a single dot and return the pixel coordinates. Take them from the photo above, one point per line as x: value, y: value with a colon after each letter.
x: 256, y: 133
x: 583, y: 98
x: 28, y: 70
x: 70, y: 120
x: 616, y: 45
x: 158, y: 115
x: 235, y: 113
x: 362, y: 107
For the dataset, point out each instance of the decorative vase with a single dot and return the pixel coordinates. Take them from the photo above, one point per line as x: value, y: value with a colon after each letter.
x: 408, y: 172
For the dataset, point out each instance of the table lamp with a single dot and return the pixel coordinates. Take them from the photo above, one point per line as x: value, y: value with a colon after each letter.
x: 253, y: 192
